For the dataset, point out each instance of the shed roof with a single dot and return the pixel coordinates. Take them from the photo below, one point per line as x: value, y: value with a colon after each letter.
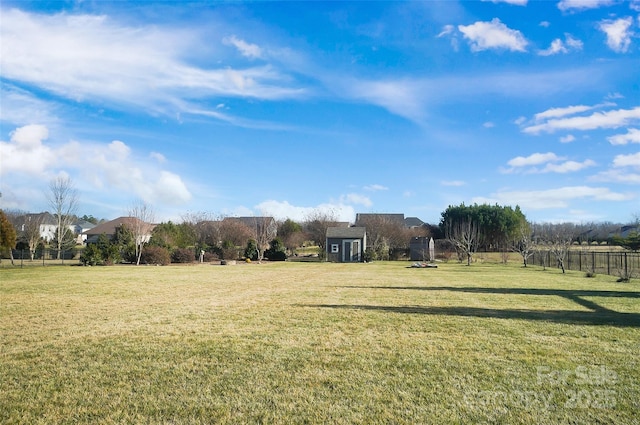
x: 346, y: 232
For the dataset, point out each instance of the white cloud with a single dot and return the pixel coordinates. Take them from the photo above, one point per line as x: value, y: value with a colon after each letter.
x: 552, y: 163
x: 26, y: 154
x: 111, y: 166
x: 573, y: 43
x: 401, y: 97
x: 565, y: 5
x: 597, y: 120
x: 568, y: 167
x: 354, y: 198
x: 562, y: 112
x: 567, y: 139
x: 533, y: 159
x: 520, y: 120
x: 446, y: 30
x: 553, y: 198
x: 558, y: 46
x: 514, y: 2
x: 20, y: 108
x: 282, y: 210
x: 631, y: 160
x: 488, y: 124
x: 493, y: 35
x: 545, y: 24
x: 84, y: 57
x: 158, y: 157
x: 618, y: 33
x: 617, y: 176
x: 170, y: 189
x: 632, y: 136
x: 375, y: 187
x: 249, y: 50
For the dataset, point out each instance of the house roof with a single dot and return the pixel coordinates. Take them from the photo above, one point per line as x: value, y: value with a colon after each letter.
x: 109, y: 227
x: 84, y: 224
x: 397, y: 217
x: 413, y: 222
x: 346, y: 232
x: 42, y: 218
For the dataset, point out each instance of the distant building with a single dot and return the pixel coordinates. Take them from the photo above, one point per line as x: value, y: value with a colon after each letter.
x: 109, y: 228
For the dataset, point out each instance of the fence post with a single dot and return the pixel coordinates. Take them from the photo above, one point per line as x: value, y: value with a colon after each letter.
x: 609, y: 263
x: 580, y: 261
x: 626, y: 270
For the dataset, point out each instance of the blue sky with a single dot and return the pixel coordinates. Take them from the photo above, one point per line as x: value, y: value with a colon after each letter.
x: 283, y: 108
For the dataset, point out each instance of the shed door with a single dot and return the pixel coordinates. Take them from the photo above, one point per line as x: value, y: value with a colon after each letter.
x: 355, y: 254
x: 346, y: 251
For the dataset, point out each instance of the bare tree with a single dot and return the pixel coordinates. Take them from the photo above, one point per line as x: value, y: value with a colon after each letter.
x: 384, y: 232
x: 558, y: 238
x: 234, y: 234
x: 141, y: 226
x: 523, y: 243
x: 316, y: 224
x: 261, y: 233
x: 63, y: 200
x: 206, y: 227
x: 465, y: 237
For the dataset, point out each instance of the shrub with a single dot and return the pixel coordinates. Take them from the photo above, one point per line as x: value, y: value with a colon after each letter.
x: 251, y: 251
x: 369, y: 255
x: 155, y: 255
x: 183, y: 255
x: 276, y: 251
x: 91, y: 255
x: 210, y: 256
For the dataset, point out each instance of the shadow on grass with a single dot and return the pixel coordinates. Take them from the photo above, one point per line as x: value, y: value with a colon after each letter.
x: 598, y: 315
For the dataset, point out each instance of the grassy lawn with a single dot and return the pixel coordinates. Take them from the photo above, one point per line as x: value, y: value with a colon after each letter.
x: 317, y: 343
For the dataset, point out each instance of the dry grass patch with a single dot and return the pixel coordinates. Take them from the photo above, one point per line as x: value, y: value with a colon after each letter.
x: 317, y: 343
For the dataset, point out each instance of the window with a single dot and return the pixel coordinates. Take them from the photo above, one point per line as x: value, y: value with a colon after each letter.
x: 334, y: 248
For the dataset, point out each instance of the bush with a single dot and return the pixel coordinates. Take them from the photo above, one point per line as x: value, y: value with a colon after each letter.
x: 210, y: 256
x: 369, y: 255
x: 91, y: 255
x: 251, y: 251
x: 155, y: 255
x: 183, y: 255
x: 276, y: 251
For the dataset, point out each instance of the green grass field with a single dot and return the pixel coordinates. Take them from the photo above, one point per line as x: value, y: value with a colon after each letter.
x: 317, y: 343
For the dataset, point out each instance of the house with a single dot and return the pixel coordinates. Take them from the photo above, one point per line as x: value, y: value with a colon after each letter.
x: 346, y: 244
x: 108, y: 228
x: 81, y: 226
x: 413, y: 223
x: 364, y: 219
x: 45, y: 222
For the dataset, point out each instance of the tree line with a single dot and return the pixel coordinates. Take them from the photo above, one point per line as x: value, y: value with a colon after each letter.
x: 466, y: 229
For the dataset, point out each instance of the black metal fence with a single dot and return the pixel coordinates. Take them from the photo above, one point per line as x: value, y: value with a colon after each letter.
x: 45, y: 256
x: 615, y: 263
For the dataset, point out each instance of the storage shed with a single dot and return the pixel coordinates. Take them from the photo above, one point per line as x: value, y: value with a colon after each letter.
x: 346, y: 244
